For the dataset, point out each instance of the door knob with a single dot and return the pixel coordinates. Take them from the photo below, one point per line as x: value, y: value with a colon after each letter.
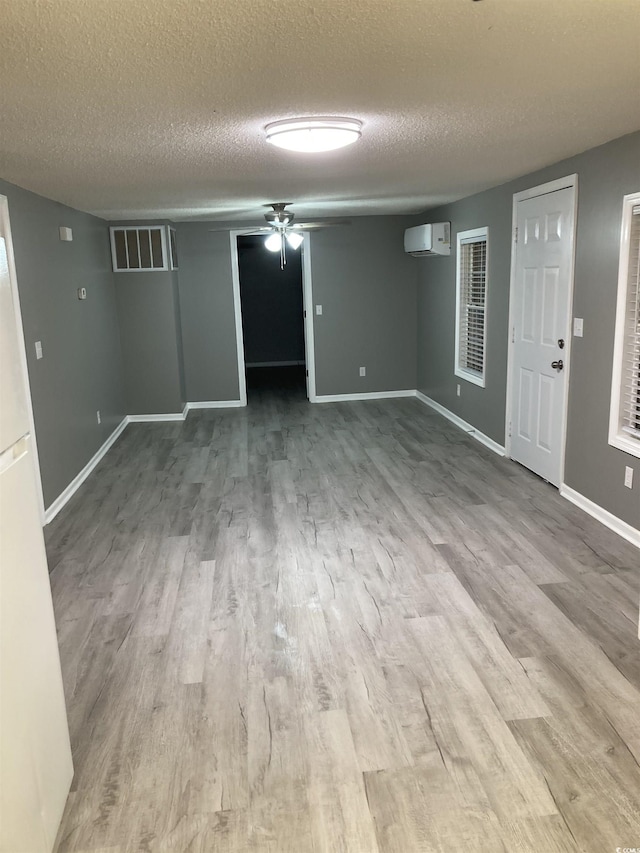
x: 557, y: 365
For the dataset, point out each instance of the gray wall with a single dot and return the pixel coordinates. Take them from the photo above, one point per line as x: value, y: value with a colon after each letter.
x: 81, y: 369
x: 361, y: 277
x: 272, y: 311
x: 149, y: 318
x: 206, y: 303
x: 605, y: 174
x: 367, y: 288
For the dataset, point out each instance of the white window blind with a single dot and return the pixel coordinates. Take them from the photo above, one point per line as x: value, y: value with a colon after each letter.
x: 624, y: 420
x: 630, y: 391
x: 471, y: 305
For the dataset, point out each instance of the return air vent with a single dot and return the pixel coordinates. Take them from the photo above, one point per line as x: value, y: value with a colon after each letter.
x: 143, y: 249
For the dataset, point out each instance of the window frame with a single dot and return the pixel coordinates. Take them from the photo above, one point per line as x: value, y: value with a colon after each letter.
x: 474, y: 235
x: 619, y: 435
x: 172, y: 243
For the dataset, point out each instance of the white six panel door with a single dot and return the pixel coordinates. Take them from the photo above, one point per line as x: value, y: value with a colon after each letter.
x: 540, y: 334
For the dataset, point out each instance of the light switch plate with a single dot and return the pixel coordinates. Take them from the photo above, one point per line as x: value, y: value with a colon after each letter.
x: 318, y: 310
x: 38, y: 349
x: 66, y: 234
x: 577, y: 327
x: 628, y: 477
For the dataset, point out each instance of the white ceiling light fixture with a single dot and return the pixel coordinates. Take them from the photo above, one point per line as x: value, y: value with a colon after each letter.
x: 314, y: 134
x: 294, y: 239
x: 273, y: 242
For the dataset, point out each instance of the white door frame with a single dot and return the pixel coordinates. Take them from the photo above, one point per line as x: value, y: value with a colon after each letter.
x: 307, y: 304
x: 13, y: 279
x: 569, y: 182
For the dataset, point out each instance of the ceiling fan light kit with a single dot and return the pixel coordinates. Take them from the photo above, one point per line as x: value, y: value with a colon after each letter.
x: 314, y: 134
x: 294, y: 239
x: 273, y: 242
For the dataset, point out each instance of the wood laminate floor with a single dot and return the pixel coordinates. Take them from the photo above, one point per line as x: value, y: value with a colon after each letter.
x: 348, y: 627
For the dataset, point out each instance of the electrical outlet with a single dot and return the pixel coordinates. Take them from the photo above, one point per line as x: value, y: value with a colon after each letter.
x: 82, y: 293
x: 98, y: 416
x: 38, y: 349
x: 363, y: 371
x: 318, y: 310
x: 628, y: 477
x: 458, y: 390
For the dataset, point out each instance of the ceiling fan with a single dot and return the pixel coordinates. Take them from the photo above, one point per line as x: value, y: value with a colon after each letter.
x: 281, y: 229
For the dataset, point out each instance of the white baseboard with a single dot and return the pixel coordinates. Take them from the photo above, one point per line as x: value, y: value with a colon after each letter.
x: 51, y: 512
x: 273, y: 363
x: 215, y: 404
x: 459, y: 422
x: 631, y: 534
x: 372, y: 395
x: 168, y: 416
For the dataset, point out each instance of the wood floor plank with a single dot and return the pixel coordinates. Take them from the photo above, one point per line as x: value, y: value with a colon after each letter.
x: 346, y: 627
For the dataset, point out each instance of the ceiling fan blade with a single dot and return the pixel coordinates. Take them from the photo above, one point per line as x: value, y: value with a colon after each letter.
x: 309, y: 226
x: 239, y: 226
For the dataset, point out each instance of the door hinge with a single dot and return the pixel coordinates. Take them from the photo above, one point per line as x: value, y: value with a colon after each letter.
x: 513, y: 334
x: 509, y: 431
x: 515, y: 235
x: 307, y: 372
x: 305, y: 315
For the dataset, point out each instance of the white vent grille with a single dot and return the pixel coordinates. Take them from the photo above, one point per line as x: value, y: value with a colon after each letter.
x: 136, y: 249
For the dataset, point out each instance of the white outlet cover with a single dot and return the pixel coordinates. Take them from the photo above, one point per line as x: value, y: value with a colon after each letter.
x: 318, y: 310
x: 363, y: 371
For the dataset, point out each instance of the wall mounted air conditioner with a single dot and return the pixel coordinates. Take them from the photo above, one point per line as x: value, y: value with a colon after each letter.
x: 425, y: 240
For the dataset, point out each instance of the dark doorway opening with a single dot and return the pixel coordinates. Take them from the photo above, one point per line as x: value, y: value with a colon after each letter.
x: 272, y: 319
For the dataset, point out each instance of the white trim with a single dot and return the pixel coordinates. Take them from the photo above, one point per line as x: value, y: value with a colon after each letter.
x: 371, y: 395
x: 148, y: 419
x: 237, y: 312
x: 13, y: 280
x: 65, y: 496
x: 462, y: 238
x: 631, y: 534
x: 273, y: 363
x: 568, y: 182
x: 172, y: 261
x: 307, y: 304
x: 549, y: 187
x: 307, y: 300
x: 617, y: 437
x: 215, y: 404
x: 462, y: 424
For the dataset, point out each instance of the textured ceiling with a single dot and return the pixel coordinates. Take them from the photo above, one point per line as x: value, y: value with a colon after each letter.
x: 136, y: 108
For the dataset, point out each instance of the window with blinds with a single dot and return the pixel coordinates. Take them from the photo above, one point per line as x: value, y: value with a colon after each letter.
x: 471, y: 304
x: 624, y: 428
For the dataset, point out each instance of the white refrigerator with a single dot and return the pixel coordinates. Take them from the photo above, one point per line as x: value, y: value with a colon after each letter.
x: 35, y: 755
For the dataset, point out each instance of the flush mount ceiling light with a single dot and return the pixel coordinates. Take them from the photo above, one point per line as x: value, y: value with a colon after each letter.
x: 313, y: 134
